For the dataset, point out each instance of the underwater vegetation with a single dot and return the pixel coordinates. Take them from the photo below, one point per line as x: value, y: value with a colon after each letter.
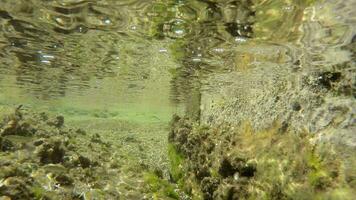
x: 263, y: 91
x: 43, y: 158
x: 160, y: 188
x: 269, y: 125
x: 235, y: 162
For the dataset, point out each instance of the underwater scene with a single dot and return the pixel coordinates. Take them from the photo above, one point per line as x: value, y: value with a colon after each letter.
x: 177, y: 100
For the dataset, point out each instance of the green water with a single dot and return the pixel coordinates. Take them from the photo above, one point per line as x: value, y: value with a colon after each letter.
x: 122, y: 68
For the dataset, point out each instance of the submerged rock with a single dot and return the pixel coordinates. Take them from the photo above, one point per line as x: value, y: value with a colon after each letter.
x: 208, y: 186
x: 82, y: 161
x: 6, y: 145
x: 58, y: 122
x: 244, y: 164
x: 57, y: 161
x: 63, y: 179
x: 16, y: 188
x: 51, y: 151
x: 14, y: 127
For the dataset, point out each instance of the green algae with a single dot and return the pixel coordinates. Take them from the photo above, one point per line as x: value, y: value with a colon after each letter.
x: 159, y: 187
x: 39, y: 192
x: 54, y: 161
x: 184, y: 182
x: 317, y: 177
x: 272, y: 163
x: 176, y: 163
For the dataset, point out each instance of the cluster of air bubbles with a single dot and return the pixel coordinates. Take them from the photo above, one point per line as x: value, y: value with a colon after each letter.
x: 45, y: 57
x: 176, y: 28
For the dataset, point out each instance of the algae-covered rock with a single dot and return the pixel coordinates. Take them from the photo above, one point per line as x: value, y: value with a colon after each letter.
x: 270, y: 164
x: 51, y: 151
x: 15, y: 126
x: 59, y: 161
x: 6, y: 145
x: 16, y: 188
x: 57, y: 122
x: 232, y: 165
x: 12, y: 169
x: 82, y: 161
x: 63, y: 179
x: 208, y: 186
x: 159, y: 187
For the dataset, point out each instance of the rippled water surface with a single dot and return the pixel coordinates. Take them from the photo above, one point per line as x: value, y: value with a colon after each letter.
x: 129, y: 53
x: 84, y: 55
x: 143, y: 60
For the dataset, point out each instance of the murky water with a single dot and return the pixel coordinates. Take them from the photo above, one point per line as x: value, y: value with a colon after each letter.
x: 126, y: 66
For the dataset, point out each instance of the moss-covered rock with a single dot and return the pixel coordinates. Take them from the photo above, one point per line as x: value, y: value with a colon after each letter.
x: 60, y: 161
x: 51, y: 151
x: 244, y: 164
x: 6, y: 144
x: 17, y: 188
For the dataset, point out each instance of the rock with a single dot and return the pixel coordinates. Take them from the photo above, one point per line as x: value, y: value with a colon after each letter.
x: 15, y: 127
x: 96, y: 139
x: 43, y: 116
x: 82, y: 161
x: 81, y: 131
x: 51, y: 152
x: 6, y: 145
x: 15, y: 124
x: 63, y: 179
x: 226, y: 169
x: 202, y: 171
x: 10, y: 128
x: 5, y: 198
x: 38, y: 142
x: 248, y: 170
x: 58, y: 122
x: 182, y: 135
x: 208, y: 187
x: 231, y: 165
x: 12, y: 170
x: 16, y: 188
x: 326, y: 79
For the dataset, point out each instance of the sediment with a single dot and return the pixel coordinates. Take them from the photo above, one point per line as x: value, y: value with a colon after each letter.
x: 44, y: 157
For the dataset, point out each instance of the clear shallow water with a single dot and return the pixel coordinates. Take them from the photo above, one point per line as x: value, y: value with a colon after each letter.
x: 84, y: 55
x: 141, y: 61
x: 101, y: 54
